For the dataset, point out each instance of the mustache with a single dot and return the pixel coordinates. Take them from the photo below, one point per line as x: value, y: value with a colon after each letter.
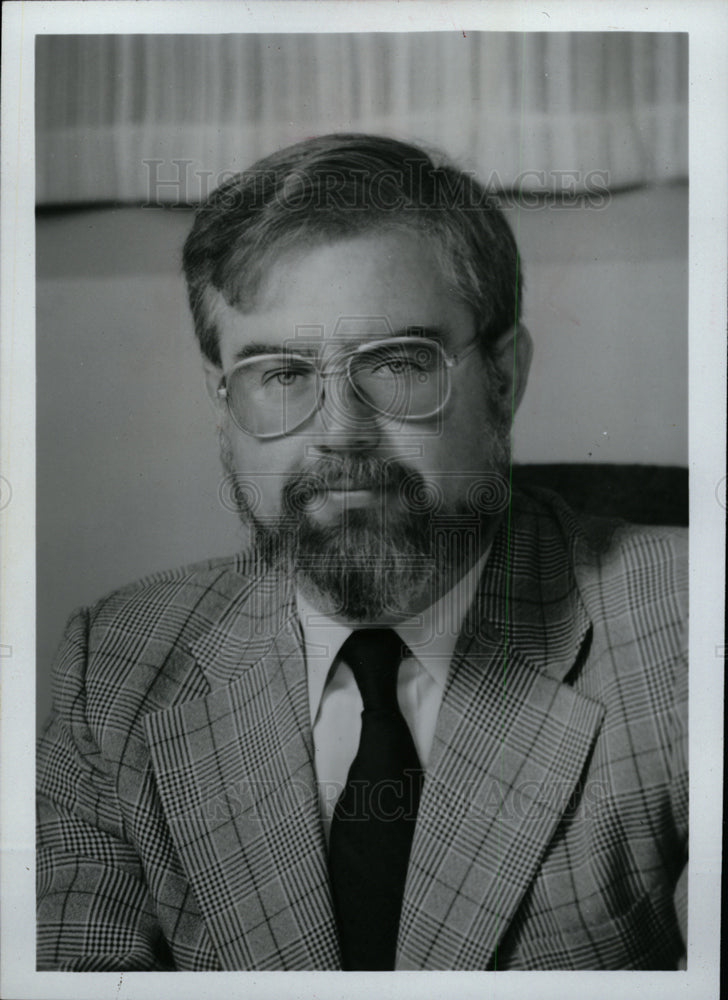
x: 348, y: 472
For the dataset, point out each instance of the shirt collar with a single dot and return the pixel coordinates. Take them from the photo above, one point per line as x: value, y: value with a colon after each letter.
x: 431, y: 635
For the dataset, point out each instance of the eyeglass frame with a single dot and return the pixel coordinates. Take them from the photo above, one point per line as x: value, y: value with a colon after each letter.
x: 450, y: 360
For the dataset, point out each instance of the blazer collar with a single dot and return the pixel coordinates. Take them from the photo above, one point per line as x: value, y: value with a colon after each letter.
x: 529, y: 598
x: 256, y: 606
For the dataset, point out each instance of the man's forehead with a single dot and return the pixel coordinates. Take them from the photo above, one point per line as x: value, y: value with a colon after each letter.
x: 350, y: 291
x: 291, y: 327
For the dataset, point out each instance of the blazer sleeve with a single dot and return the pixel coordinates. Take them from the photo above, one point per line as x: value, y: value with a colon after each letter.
x: 94, y: 909
x: 679, y: 790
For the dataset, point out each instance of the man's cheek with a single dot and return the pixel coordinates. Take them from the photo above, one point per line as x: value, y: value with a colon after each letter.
x: 256, y: 482
x: 267, y: 488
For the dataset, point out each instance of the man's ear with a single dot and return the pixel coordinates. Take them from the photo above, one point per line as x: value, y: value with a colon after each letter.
x: 512, y: 353
x: 213, y: 375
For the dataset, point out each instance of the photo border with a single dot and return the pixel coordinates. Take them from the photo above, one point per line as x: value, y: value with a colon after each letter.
x: 707, y: 25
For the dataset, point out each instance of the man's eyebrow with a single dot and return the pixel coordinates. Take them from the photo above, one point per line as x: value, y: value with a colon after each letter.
x: 256, y: 348
x: 308, y: 350
x: 430, y: 332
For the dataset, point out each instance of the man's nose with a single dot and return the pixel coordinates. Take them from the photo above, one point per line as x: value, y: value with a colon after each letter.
x: 344, y: 419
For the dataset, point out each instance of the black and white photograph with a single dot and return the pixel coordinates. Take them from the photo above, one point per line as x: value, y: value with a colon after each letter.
x: 371, y: 463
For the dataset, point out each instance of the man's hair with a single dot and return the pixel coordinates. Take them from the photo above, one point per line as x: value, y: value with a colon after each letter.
x: 337, y: 187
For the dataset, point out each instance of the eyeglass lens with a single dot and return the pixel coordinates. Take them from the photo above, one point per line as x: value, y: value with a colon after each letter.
x: 273, y: 394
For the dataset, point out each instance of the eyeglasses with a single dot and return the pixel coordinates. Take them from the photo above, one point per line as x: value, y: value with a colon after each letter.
x: 406, y: 378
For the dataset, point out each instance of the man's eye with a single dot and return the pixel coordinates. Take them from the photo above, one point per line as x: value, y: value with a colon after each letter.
x: 286, y: 376
x: 398, y: 365
x: 394, y: 365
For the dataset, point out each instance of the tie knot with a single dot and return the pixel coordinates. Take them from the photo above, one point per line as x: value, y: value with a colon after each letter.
x: 374, y: 655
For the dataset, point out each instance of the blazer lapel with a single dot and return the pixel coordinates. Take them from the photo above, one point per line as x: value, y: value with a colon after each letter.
x: 511, y: 743
x: 236, y: 779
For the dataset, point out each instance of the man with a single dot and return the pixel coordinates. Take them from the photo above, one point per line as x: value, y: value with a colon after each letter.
x: 422, y: 724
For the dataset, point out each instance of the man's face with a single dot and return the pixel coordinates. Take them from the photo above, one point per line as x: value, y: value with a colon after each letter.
x: 383, y: 489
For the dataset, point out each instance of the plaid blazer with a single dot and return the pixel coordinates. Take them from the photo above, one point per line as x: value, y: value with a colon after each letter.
x: 179, y: 824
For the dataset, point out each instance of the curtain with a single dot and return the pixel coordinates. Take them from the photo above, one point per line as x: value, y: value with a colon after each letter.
x: 163, y: 118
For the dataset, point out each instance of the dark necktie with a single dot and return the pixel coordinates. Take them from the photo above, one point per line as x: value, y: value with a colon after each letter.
x: 374, y: 818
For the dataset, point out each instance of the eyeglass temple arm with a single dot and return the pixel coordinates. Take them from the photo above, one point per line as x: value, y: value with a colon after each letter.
x: 454, y: 359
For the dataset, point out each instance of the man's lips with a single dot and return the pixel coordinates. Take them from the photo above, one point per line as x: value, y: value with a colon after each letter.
x: 349, y: 493
x: 351, y: 487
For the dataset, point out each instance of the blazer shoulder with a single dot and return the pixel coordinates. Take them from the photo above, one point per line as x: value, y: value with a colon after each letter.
x: 637, y: 553
x: 616, y: 563
x: 635, y: 583
x: 601, y: 540
x: 196, y: 591
x: 130, y: 652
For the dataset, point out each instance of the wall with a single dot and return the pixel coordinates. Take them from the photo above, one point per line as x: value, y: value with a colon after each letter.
x: 128, y: 474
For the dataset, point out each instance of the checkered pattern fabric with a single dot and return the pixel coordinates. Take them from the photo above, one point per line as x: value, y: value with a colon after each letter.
x: 178, y: 814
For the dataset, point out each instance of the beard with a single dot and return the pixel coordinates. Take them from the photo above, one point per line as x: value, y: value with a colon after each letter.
x: 382, y: 561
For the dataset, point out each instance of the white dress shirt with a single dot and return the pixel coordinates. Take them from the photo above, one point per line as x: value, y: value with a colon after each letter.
x: 334, y: 697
